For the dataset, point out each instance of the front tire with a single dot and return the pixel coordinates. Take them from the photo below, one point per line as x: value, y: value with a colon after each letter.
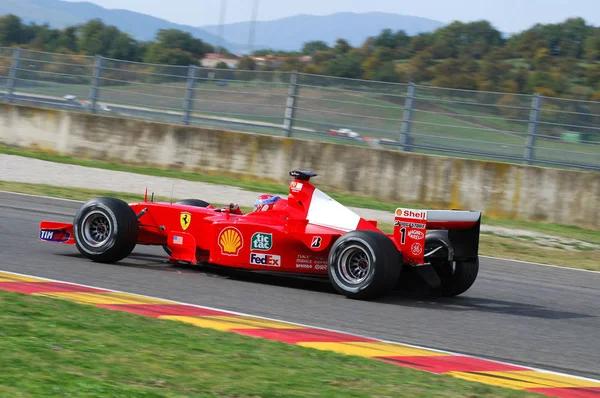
x: 105, y: 230
x: 364, y: 265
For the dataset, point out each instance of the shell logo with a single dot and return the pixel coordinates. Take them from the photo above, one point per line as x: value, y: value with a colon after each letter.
x: 230, y: 241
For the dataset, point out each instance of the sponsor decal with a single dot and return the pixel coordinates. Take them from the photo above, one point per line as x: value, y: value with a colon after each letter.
x: 304, y: 261
x: 309, y: 262
x: 54, y: 236
x: 296, y: 186
x: 321, y: 266
x: 316, y: 242
x: 416, y: 249
x: 414, y: 234
x: 230, y: 241
x: 408, y: 224
x: 414, y: 214
x: 177, y: 240
x: 47, y: 235
x: 185, y: 219
x: 261, y: 241
x: 268, y: 260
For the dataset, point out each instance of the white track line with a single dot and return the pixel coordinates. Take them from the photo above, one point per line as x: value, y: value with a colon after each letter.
x: 306, y: 326
x: 43, y: 197
x: 544, y: 265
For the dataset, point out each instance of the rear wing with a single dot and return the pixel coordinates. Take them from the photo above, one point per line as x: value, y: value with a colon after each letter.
x: 410, y: 232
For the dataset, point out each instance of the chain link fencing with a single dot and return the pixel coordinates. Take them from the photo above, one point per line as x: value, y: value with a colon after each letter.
x: 528, y: 129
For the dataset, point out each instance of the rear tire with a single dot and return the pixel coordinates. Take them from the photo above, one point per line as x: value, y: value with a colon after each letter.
x: 463, y: 278
x: 364, y: 265
x: 105, y: 229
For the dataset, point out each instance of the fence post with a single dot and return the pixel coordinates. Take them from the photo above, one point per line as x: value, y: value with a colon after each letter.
x: 189, y: 94
x: 12, y: 74
x: 290, y: 110
x: 534, y: 114
x: 405, y: 138
x: 93, y: 100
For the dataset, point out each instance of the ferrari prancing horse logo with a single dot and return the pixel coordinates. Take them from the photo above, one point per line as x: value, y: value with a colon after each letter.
x: 185, y: 219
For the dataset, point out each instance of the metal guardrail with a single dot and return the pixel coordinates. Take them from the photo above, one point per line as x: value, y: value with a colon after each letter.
x: 528, y: 129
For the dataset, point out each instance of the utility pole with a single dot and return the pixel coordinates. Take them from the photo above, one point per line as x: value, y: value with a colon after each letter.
x: 252, y: 32
x: 221, y: 25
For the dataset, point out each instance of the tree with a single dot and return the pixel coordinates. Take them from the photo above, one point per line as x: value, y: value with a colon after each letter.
x: 494, y: 69
x: 386, y: 39
x: 96, y: 38
x: 320, y: 57
x: 312, y: 47
x: 546, y: 80
x: 528, y: 43
x: 174, y: 47
x: 420, y: 42
x: 246, y: 63
x: 592, y: 46
x: 421, y: 67
x: 542, y: 60
x: 593, y: 76
x: 342, y: 46
x: 474, y: 39
x: 387, y: 73
x: 11, y: 30
x: 173, y: 38
x: 455, y: 73
x: 344, y: 65
x: 521, y: 77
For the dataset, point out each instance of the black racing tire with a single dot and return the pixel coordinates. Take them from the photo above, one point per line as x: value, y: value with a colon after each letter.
x: 461, y: 280
x: 193, y: 202
x: 105, y: 229
x: 364, y: 265
x: 187, y: 202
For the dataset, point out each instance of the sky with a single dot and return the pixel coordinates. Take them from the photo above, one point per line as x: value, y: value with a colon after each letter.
x: 506, y: 15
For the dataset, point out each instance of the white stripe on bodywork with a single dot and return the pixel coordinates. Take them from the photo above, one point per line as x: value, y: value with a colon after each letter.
x: 327, y: 212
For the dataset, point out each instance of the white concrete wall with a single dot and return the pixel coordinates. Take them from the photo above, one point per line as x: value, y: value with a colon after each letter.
x: 497, y: 189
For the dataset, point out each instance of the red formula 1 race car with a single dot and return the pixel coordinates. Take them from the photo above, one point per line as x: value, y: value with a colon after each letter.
x: 306, y: 233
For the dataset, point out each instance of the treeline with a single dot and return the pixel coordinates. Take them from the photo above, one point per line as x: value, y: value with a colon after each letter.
x: 552, y: 59
x: 171, y: 46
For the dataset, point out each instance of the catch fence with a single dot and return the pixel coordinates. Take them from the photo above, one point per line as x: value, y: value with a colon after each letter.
x: 529, y: 129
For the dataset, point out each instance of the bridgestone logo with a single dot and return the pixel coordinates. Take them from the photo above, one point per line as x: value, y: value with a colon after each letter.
x: 408, y: 224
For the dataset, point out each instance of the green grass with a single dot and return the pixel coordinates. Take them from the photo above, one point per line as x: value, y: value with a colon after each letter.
x: 56, y: 348
x: 515, y: 247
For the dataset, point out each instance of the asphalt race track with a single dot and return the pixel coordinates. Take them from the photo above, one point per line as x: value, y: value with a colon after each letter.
x: 521, y: 313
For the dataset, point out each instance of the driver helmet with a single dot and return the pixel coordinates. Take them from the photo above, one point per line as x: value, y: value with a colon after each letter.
x: 265, y: 202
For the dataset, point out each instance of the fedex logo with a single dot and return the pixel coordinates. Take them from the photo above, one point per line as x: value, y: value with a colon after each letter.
x: 414, y: 214
x: 268, y: 260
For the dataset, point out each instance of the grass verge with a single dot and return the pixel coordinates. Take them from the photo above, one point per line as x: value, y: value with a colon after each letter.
x: 57, y: 348
x: 515, y: 247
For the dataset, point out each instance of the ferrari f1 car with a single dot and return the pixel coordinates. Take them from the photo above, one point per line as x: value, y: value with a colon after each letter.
x: 307, y: 233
